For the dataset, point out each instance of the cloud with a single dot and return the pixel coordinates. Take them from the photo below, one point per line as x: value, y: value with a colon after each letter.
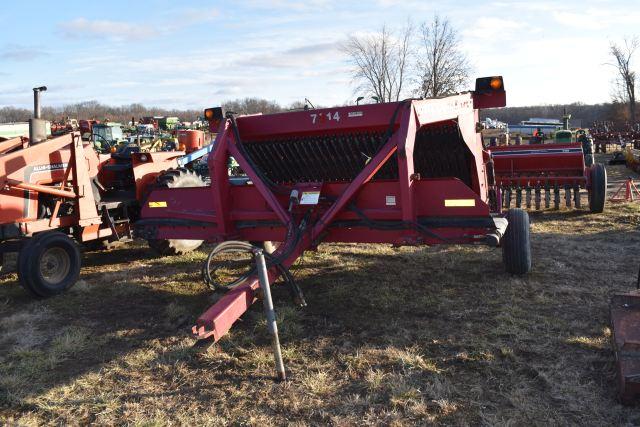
x: 596, y: 18
x: 19, y: 53
x: 289, y: 5
x: 299, y: 56
x: 492, y: 28
x: 192, y: 16
x: 131, y: 31
x: 104, y: 29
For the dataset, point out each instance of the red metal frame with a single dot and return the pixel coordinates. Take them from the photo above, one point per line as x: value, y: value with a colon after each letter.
x: 539, y: 165
x: 631, y: 192
x: 624, y: 311
x: 451, y: 210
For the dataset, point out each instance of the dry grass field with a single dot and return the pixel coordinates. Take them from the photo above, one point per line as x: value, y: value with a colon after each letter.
x: 391, y: 336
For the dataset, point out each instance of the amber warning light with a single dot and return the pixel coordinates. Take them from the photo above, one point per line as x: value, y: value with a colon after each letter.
x: 489, y: 93
x: 489, y: 84
x: 212, y: 114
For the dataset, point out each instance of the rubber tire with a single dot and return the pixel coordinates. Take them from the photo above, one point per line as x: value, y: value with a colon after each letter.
x: 29, y: 264
x: 516, y: 243
x: 598, y: 190
x: 176, y: 178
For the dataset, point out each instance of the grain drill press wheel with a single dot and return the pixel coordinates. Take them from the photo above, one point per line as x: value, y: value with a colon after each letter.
x: 598, y: 190
x: 516, y: 243
x: 48, y: 264
x: 175, y: 178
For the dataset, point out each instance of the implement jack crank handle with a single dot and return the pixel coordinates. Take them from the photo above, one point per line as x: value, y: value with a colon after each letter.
x: 270, y: 313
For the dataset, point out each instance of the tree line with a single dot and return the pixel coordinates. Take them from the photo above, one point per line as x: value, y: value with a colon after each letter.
x: 96, y: 110
x: 124, y: 113
x: 584, y: 115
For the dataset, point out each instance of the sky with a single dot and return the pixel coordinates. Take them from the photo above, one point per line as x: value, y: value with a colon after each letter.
x: 195, y: 54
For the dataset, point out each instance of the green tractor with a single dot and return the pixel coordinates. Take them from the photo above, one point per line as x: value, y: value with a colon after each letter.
x: 106, y: 137
x: 168, y: 123
x: 567, y: 136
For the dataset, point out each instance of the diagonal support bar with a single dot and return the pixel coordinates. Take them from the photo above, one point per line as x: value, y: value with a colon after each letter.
x: 218, y: 319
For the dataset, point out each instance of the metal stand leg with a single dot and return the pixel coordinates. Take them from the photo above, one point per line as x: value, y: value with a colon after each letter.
x: 270, y: 313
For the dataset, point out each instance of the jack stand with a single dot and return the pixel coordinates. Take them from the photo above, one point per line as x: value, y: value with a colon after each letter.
x: 631, y: 192
x: 270, y: 313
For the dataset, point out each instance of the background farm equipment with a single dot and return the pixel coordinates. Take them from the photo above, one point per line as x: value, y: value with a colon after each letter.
x: 106, y: 136
x: 539, y: 173
x: 606, y: 134
x: 86, y: 128
x: 59, y: 192
x: 405, y: 173
x: 64, y: 126
x: 13, y: 130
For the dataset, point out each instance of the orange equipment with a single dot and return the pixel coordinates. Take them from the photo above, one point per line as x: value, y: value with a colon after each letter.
x: 190, y: 140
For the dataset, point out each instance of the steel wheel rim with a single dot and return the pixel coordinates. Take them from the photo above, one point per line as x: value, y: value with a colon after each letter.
x: 55, y: 264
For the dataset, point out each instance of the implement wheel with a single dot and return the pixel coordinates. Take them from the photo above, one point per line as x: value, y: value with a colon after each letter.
x: 598, y: 189
x: 516, y: 243
x: 49, y: 264
x: 177, y: 178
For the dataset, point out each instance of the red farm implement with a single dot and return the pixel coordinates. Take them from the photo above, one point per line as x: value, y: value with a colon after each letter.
x: 537, y: 174
x: 405, y: 173
x: 59, y: 192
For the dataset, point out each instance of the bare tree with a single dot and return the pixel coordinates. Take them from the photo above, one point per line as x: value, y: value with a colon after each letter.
x: 380, y: 62
x: 443, y: 68
x: 252, y: 106
x: 625, y: 82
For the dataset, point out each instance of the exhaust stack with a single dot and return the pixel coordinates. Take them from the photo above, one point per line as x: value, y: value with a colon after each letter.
x: 37, y: 126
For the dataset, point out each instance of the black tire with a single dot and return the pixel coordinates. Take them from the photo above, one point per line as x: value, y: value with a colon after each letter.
x: 598, y: 189
x: 176, y: 178
x: 516, y: 243
x: 49, y: 264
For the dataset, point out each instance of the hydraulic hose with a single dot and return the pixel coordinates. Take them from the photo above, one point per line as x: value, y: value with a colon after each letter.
x: 233, y: 246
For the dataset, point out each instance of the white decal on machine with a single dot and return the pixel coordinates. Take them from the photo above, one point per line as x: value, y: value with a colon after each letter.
x: 324, y: 117
x: 310, y: 198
